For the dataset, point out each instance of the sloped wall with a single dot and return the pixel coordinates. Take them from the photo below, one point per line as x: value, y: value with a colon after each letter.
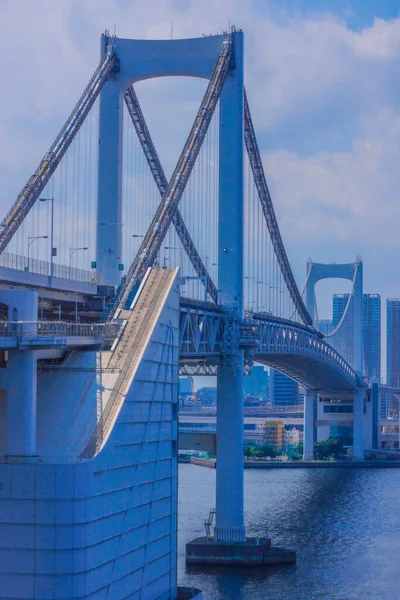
x: 105, y: 528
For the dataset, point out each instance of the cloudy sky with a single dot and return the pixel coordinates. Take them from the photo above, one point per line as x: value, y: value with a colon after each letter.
x: 323, y: 82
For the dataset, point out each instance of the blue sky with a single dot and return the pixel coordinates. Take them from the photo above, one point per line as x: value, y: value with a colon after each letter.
x: 356, y: 13
x: 323, y: 81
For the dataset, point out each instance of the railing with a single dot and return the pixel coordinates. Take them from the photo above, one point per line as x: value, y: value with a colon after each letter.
x: 42, y: 267
x: 24, y: 329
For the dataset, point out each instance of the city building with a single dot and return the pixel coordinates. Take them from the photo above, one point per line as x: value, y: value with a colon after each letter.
x: 393, y: 352
x: 325, y: 326
x: 186, y: 392
x: 372, y: 336
x: 344, y: 341
x: 291, y: 437
x: 273, y: 434
x: 207, y: 396
x: 257, y: 383
x: 284, y: 391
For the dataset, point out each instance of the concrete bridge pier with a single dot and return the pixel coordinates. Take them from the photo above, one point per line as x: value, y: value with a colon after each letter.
x: 358, y: 425
x: 310, y: 430
x: 230, y: 441
x: 18, y: 386
x: 18, y: 379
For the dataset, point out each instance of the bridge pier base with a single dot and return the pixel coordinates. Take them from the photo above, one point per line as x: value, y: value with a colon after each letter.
x: 310, y: 430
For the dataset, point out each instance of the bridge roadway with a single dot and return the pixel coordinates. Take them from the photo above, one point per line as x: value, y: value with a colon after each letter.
x: 297, y: 350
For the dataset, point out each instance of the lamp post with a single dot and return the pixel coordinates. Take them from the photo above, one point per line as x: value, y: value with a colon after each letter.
x: 71, y: 253
x: 31, y: 239
x: 52, y: 249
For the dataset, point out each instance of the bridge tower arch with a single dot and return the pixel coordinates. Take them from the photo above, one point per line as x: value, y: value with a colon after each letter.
x: 354, y: 273
x: 144, y: 59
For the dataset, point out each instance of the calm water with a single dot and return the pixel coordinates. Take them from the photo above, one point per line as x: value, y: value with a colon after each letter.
x: 344, y: 524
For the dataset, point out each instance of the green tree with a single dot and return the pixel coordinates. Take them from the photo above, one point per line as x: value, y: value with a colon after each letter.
x: 298, y: 454
x: 330, y: 449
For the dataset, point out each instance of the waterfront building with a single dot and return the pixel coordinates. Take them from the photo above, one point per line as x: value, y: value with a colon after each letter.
x: 284, y: 391
x: 273, y: 434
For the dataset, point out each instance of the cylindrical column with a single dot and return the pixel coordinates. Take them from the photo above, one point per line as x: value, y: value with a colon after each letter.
x: 358, y: 425
x: 19, y: 381
x: 309, y: 434
x: 358, y: 410
x: 229, y: 487
x: 109, y: 192
x: 229, y: 493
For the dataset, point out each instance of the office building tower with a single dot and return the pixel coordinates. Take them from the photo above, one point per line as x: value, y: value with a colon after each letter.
x: 284, y: 391
x: 256, y: 384
x: 344, y: 341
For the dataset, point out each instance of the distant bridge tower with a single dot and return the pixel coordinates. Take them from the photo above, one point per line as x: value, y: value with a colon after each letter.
x: 353, y: 272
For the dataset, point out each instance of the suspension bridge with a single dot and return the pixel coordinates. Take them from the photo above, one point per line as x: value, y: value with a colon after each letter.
x: 101, y: 195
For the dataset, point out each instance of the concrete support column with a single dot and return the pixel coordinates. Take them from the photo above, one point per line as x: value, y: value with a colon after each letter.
x: 109, y: 192
x: 20, y: 382
x: 229, y: 493
x: 358, y: 425
x: 310, y: 430
x: 358, y: 419
x: 229, y: 486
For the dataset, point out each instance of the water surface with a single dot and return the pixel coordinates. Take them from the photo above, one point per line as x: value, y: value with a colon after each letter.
x: 344, y: 524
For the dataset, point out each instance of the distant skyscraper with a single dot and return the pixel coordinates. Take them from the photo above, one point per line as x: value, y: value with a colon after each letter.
x: 284, y: 391
x: 257, y: 383
x: 344, y: 339
x: 393, y: 341
x: 344, y: 342
x: 325, y: 326
x: 372, y: 336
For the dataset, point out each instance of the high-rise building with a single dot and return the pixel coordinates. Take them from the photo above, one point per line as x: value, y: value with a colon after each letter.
x: 257, y: 383
x: 344, y: 341
x: 284, y: 391
x: 393, y: 350
x: 372, y: 336
x: 325, y: 326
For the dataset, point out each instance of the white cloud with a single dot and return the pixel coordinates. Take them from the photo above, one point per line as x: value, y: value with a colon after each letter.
x: 324, y: 97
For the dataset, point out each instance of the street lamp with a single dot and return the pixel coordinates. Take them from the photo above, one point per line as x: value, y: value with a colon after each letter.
x: 32, y: 238
x: 52, y: 249
x: 71, y: 253
x: 136, y: 235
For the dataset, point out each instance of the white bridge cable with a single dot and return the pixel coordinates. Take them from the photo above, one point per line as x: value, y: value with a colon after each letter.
x: 36, y: 183
x: 269, y: 214
x: 150, y: 152
x: 156, y: 233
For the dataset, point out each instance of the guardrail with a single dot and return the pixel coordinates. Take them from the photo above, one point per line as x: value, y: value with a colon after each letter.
x: 42, y: 267
x: 21, y: 329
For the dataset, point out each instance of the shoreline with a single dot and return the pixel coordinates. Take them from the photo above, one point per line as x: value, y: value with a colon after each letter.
x: 273, y: 464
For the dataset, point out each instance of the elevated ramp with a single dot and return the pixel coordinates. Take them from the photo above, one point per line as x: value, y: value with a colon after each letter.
x: 79, y: 402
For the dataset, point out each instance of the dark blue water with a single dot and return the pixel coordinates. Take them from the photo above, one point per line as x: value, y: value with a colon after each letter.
x: 344, y: 524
